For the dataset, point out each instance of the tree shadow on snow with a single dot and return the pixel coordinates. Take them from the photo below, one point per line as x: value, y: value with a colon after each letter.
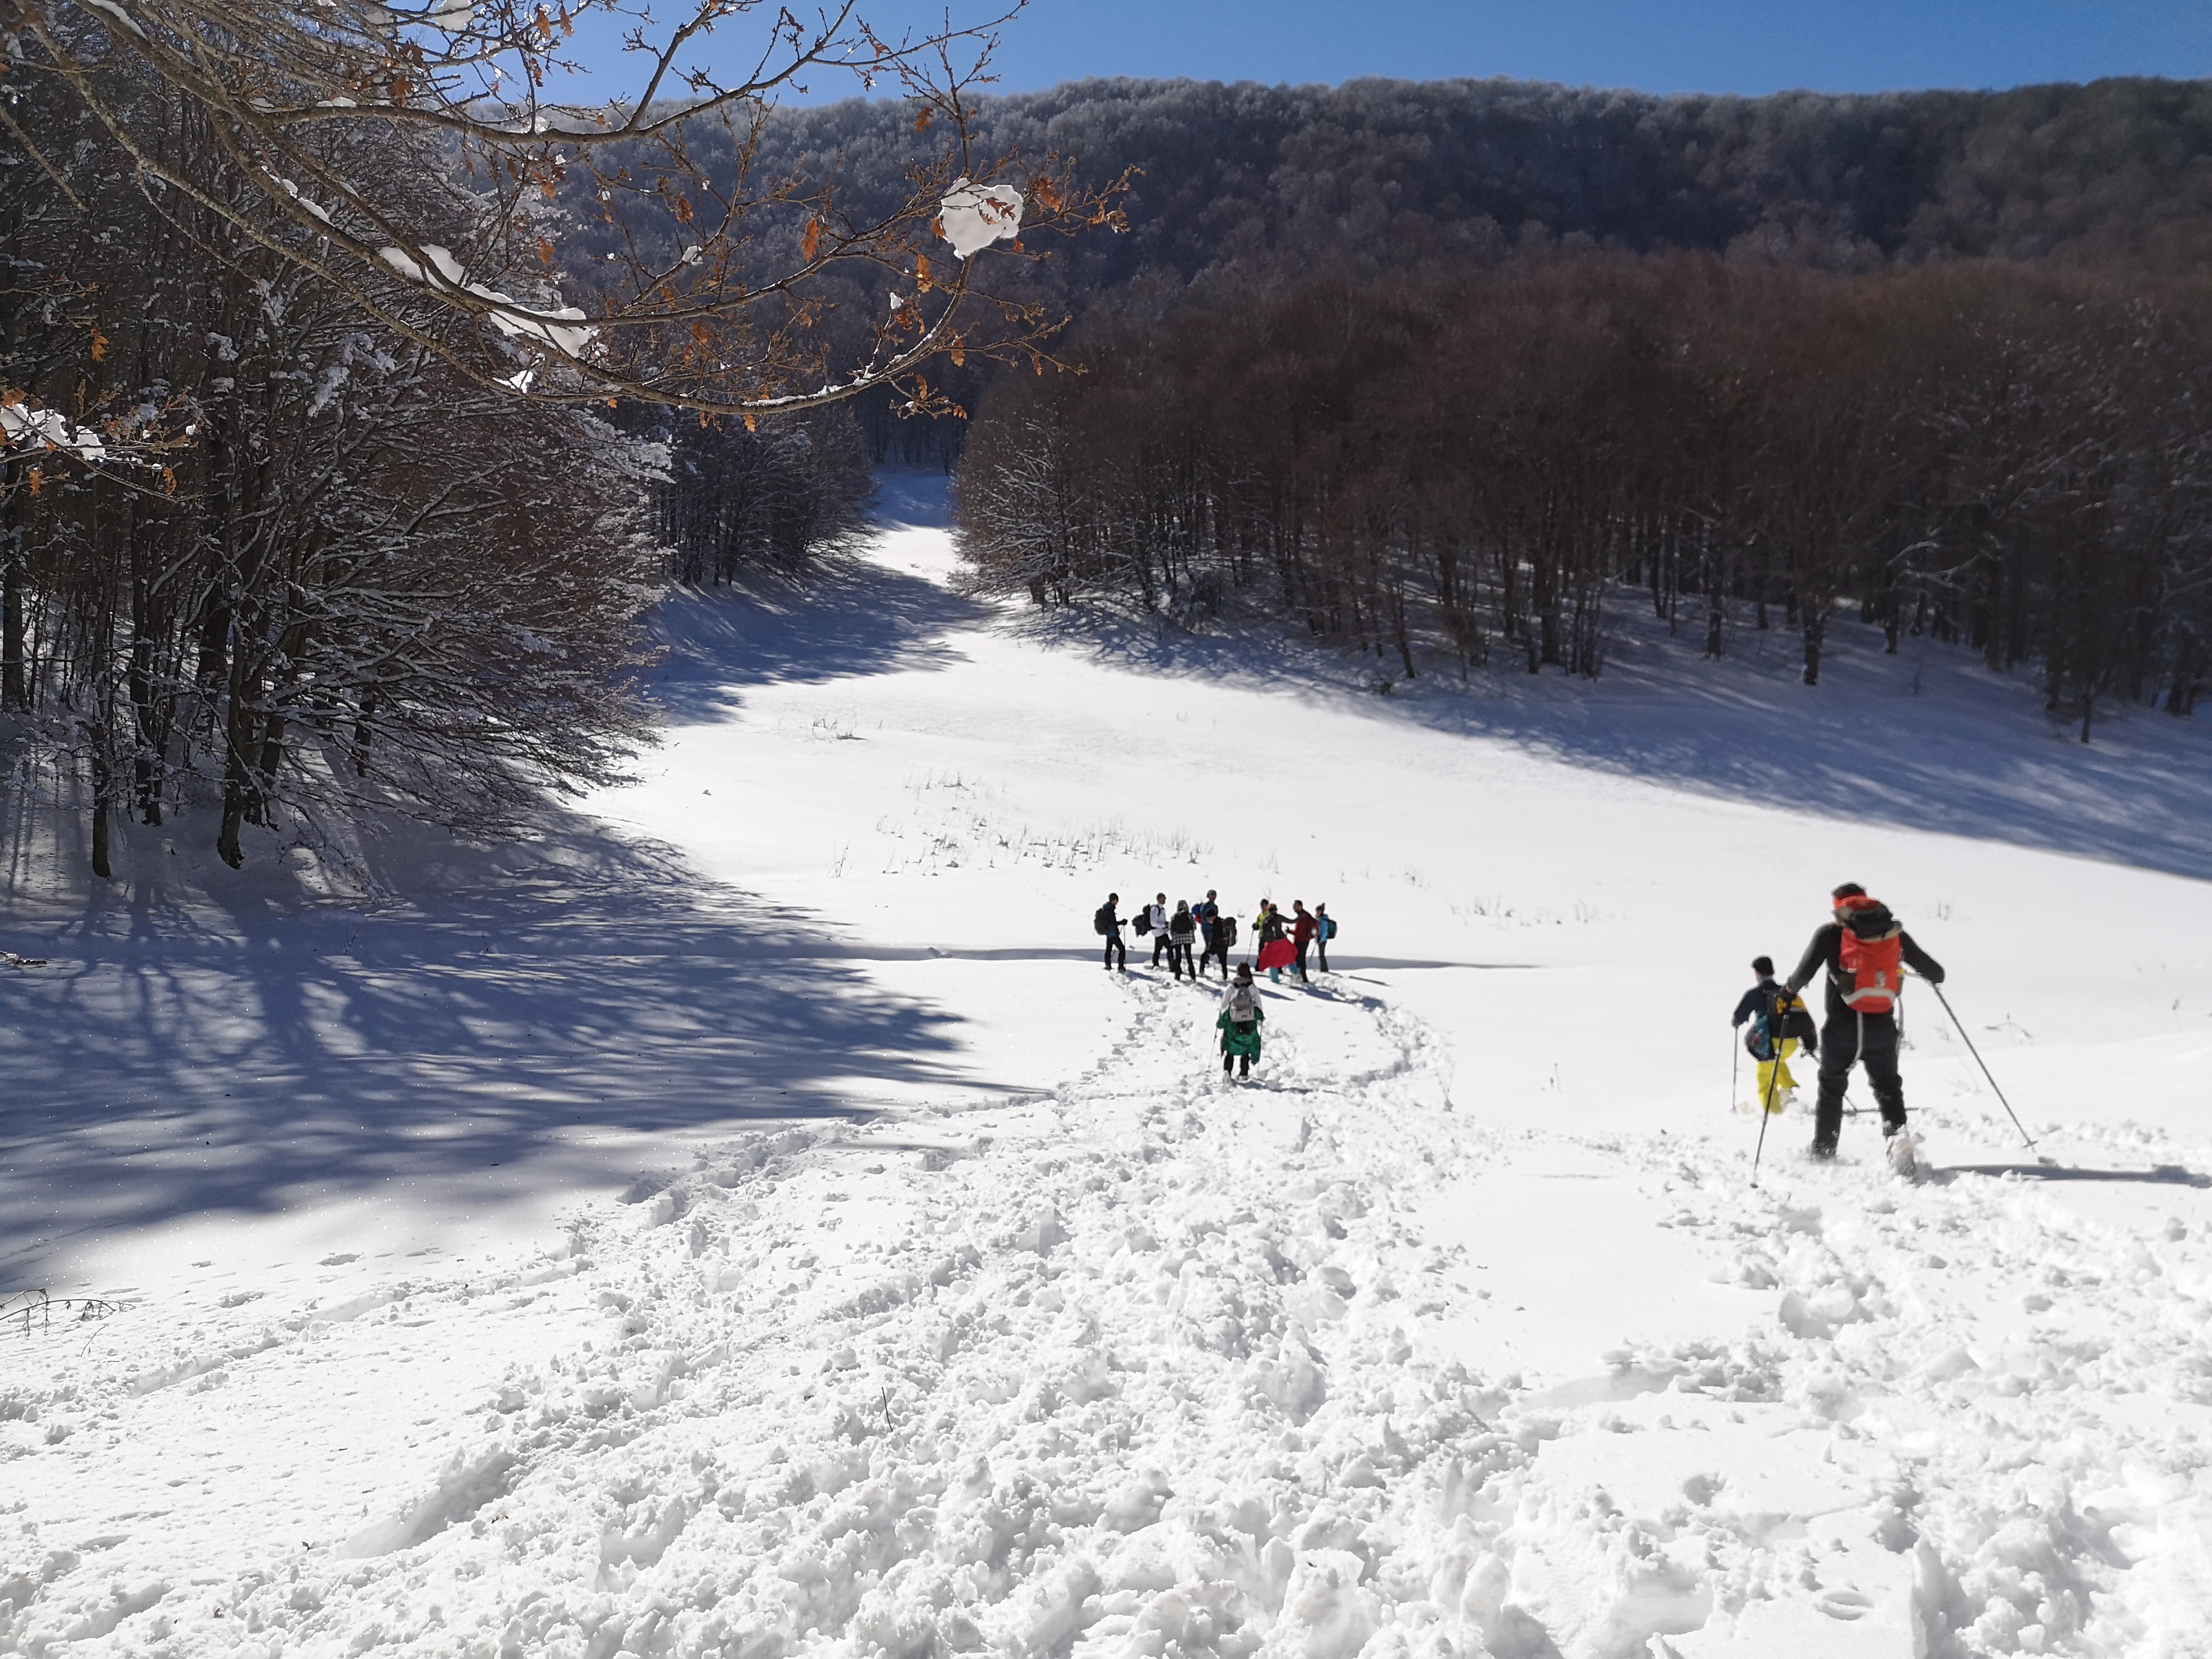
x: 246, y: 1057
x: 846, y: 618
x: 1927, y: 739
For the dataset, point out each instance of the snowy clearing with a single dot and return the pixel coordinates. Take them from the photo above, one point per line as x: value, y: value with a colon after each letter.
x: 747, y: 1221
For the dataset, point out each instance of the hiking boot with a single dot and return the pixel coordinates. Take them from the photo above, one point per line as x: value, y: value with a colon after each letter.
x: 1824, y: 1149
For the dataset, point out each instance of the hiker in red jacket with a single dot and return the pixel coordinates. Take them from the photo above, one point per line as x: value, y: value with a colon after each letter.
x: 1271, y: 932
x: 1303, y: 929
x: 1863, y: 951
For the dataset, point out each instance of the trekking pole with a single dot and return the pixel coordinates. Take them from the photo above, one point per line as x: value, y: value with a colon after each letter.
x: 1984, y: 1064
x: 1736, y: 1063
x: 1765, y: 1111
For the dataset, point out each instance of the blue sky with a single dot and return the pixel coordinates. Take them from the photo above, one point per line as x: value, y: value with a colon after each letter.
x: 1706, y: 45
x: 1747, y: 47
x: 1658, y: 47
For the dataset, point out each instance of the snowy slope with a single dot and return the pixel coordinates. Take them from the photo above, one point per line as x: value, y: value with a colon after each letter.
x: 748, y: 1221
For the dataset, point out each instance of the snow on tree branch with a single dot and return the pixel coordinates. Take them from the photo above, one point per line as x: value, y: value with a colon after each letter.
x: 974, y: 216
x: 723, y: 289
x: 24, y: 424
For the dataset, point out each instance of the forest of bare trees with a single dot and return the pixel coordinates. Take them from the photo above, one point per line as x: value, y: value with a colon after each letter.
x: 1434, y: 369
x: 1472, y: 462
x: 333, y: 573
x: 320, y: 499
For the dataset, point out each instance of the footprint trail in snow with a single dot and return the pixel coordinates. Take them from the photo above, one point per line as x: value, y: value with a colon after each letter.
x: 1159, y: 1365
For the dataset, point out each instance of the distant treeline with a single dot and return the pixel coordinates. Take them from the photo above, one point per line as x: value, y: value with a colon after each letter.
x: 2118, y: 169
x: 1466, y: 461
x: 1376, y: 175
x: 736, y: 500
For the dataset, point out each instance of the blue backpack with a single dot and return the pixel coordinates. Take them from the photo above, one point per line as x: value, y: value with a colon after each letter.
x: 1782, y: 1015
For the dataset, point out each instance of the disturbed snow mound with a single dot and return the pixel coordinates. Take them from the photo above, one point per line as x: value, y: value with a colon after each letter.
x: 1153, y: 1368
x: 755, y: 1227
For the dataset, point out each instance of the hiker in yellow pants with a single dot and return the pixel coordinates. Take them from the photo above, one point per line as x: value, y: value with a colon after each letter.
x: 1779, y: 1021
x: 1776, y: 1085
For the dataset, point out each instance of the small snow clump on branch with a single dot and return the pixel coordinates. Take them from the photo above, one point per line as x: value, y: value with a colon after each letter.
x: 292, y: 191
x: 973, y: 216
x: 119, y: 15
x: 25, y: 423
x: 514, y: 319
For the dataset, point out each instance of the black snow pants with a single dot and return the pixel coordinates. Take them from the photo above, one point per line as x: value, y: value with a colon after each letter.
x: 1211, y: 938
x: 1871, y: 1040
x: 1114, y: 948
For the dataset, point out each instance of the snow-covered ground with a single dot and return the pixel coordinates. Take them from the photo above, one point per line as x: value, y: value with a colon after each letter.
x: 748, y: 1221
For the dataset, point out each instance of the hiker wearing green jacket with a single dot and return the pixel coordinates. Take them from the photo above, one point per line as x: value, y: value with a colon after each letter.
x: 1239, y: 1024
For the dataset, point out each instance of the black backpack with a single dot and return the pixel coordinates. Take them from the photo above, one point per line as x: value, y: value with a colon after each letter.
x: 1226, y: 931
x: 1101, y: 920
x: 1144, y: 917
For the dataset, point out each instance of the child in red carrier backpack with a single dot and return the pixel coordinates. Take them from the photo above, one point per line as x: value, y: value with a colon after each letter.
x: 1864, y: 951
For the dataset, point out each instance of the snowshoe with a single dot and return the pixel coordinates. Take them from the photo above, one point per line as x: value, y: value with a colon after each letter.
x: 1903, y: 1154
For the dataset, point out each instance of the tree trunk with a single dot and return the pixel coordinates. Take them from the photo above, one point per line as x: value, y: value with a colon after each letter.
x: 240, y: 799
x: 101, y: 865
x: 15, y: 677
x: 227, y: 843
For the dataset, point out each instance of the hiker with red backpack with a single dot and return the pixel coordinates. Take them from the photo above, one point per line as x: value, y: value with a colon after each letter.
x: 1864, y: 951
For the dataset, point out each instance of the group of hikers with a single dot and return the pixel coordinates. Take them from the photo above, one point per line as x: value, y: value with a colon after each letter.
x: 1284, y: 941
x: 1291, y: 941
x: 1864, y: 951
